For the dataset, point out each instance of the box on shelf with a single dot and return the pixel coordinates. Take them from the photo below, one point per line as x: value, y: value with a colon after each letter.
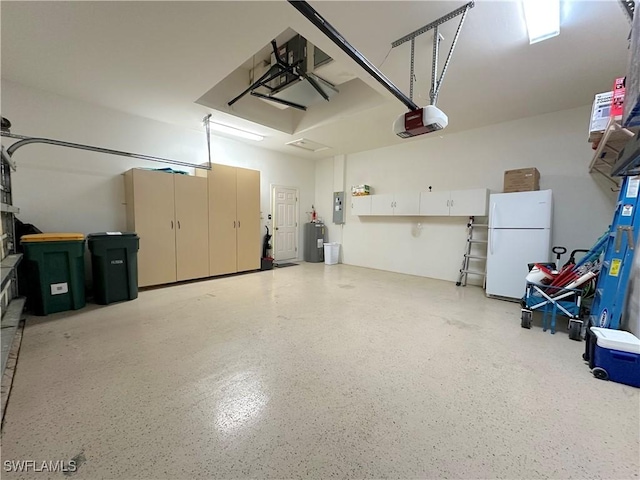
x: 617, y: 102
x: 358, y: 190
x: 600, y: 113
x: 521, y: 180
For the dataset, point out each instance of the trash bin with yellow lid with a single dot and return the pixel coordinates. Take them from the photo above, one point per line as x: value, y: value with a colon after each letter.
x: 55, y: 271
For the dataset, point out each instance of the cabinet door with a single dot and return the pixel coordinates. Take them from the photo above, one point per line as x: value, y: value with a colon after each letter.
x: 154, y: 221
x: 248, y: 208
x: 361, y: 205
x: 382, y: 204
x: 466, y: 203
x: 192, y: 227
x: 435, y: 203
x: 222, y: 220
x: 406, y: 203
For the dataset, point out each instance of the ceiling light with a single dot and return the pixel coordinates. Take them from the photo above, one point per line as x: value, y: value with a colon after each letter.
x: 236, y: 132
x: 543, y: 19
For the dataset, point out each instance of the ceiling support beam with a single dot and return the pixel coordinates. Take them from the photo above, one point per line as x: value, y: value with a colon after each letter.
x: 279, y: 100
x: 434, y: 24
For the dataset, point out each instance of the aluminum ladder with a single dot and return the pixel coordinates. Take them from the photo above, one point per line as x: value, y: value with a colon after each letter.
x: 472, y: 253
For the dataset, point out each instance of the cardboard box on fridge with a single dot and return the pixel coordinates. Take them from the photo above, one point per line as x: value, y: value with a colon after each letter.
x: 521, y: 180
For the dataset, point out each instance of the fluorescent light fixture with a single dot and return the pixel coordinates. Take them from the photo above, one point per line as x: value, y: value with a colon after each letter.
x: 543, y: 19
x: 236, y: 132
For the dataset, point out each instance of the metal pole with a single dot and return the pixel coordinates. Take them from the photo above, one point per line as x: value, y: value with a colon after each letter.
x: 413, y: 48
x: 433, y: 95
x: 28, y: 140
x: 453, y: 45
x: 207, y: 128
x: 325, y: 27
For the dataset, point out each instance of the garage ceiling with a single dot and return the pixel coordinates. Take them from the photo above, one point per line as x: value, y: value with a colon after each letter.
x: 155, y: 59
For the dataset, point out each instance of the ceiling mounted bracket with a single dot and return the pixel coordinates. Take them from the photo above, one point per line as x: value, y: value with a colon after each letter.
x: 280, y: 67
x: 332, y: 34
x: 436, y: 82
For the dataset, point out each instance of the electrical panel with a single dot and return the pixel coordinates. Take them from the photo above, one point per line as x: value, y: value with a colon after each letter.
x: 338, y: 207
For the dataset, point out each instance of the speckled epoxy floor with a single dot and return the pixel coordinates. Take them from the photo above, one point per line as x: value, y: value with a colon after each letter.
x: 314, y: 371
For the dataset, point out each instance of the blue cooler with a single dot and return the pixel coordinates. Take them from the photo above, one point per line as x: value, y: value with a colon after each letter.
x: 615, y: 355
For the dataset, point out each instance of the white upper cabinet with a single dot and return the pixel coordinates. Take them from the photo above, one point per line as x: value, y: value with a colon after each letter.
x: 435, y: 203
x: 446, y: 203
x: 382, y: 204
x: 467, y: 203
x: 407, y: 203
x: 361, y: 205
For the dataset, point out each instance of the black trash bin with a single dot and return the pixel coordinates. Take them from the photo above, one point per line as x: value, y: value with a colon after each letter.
x: 114, y: 261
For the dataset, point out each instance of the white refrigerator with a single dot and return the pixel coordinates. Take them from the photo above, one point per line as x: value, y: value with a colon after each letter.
x: 519, y: 234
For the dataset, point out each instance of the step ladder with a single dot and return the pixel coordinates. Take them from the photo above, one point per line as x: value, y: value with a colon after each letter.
x: 476, y: 250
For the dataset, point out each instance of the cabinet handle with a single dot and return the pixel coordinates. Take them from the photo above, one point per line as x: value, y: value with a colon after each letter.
x: 238, y: 223
x: 178, y: 224
x: 447, y: 203
x: 234, y: 224
x: 452, y: 203
x: 171, y: 224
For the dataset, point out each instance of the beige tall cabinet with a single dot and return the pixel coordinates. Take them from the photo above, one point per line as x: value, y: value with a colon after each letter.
x: 234, y: 219
x: 169, y: 212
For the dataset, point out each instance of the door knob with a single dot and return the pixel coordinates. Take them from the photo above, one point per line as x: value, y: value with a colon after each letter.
x: 276, y: 228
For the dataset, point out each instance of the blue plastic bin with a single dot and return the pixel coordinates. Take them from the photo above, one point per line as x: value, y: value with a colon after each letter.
x: 615, y: 356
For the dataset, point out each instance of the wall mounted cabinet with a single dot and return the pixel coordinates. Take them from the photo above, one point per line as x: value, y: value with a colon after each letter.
x: 361, y: 205
x: 169, y: 214
x: 396, y: 204
x: 462, y: 203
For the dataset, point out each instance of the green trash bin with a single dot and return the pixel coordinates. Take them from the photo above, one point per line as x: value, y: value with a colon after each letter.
x: 114, y: 261
x: 55, y: 271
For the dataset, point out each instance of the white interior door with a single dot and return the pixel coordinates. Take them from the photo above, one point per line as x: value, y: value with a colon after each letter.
x: 285, y: 223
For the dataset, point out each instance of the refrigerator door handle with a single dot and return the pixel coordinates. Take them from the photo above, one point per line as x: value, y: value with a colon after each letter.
x: 493, y: 214
x: 491, y: 241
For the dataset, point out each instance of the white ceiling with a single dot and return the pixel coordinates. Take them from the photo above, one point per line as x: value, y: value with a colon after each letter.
x: 155, y: 59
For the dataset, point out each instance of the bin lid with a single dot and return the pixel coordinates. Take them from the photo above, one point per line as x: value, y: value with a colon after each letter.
x: 616, y: 340
x: 52, y: 237
x: 111, y: 234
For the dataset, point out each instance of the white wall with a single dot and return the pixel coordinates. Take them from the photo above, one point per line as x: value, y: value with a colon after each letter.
x: 555, y: 143
x: 61, y: 189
